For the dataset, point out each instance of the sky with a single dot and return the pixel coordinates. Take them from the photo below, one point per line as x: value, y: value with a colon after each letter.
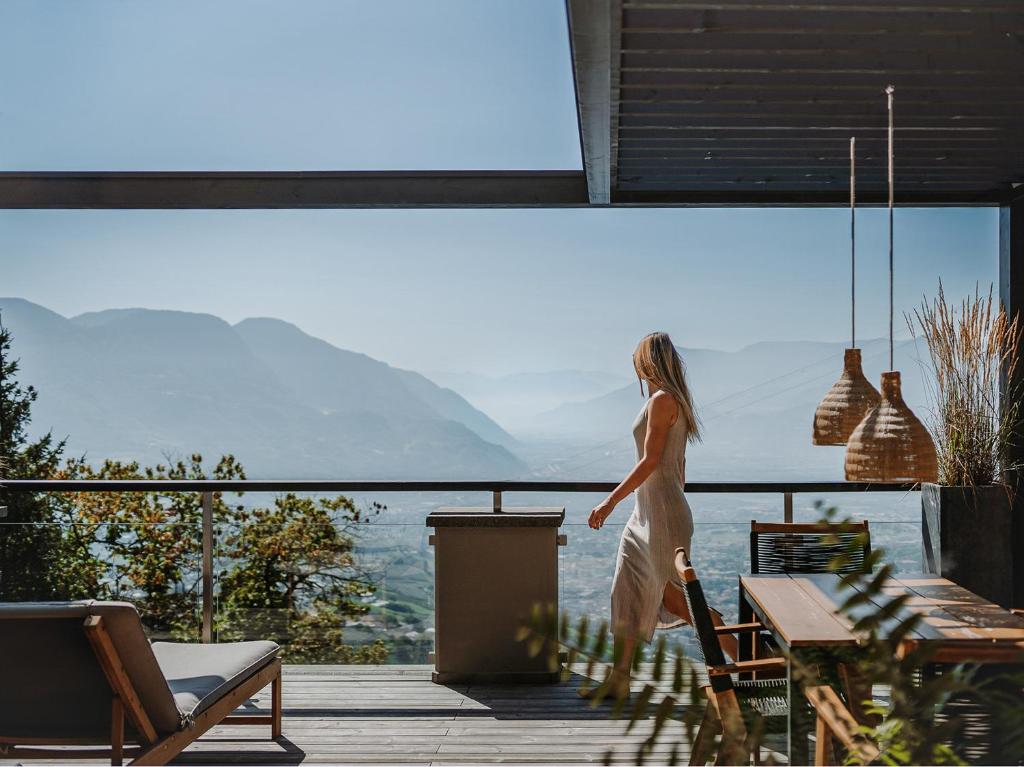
x: 285, y: 85
x: 310, y: 84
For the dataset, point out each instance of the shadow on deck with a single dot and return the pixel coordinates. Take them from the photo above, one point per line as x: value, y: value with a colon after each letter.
x: 395, y: 714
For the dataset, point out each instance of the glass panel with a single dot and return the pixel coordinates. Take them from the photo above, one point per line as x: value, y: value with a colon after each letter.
x: 332, y: 586
x: 721, y: 544
x: 279, y: 85
x: 153, y: 565
x: 894, y: 520
x: 331, y: 581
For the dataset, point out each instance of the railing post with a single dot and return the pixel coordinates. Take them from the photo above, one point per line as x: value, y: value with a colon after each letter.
x: 787, y: 507
x: 496, y: 501
x: 207, y: 567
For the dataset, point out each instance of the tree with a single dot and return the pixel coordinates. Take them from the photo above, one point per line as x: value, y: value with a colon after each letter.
x: 143, y: 547
x: 286, y: 573
x: 292, y: 576
x: 27, y: 544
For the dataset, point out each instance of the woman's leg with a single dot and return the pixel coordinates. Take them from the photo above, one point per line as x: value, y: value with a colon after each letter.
x: 617, y: 684
x: 623, y: 655
x: 675, y: 603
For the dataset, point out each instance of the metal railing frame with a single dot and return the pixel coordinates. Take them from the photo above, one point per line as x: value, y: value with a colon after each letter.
x: 206, y: 488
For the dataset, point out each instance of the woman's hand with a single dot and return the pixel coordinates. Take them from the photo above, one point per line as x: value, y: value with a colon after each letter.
x: 600, y: 513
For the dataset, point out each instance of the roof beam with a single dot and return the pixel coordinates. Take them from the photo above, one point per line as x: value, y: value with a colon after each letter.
x: 594, y: 33
x: 328, y: 189
x: 715, y: 196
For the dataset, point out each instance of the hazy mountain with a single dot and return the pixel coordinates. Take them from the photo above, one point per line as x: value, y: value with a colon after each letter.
x: 139, y: 383
x: 763, y: 378
x: 336, y: 381
x: 762, y: 395
x: 517, y: 400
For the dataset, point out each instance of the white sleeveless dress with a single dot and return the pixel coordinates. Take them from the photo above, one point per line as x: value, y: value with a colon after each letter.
x: 660, y: 523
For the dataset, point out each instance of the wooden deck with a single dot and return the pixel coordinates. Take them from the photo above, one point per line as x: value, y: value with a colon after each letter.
x: 395, y: 714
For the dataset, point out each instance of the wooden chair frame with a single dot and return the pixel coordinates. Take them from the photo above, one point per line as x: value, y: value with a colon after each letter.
x: 835, y: 722
x: 722, y: 714
x: 151, y: 748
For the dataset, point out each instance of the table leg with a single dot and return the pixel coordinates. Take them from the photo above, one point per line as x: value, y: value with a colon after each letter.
x: 746, y: 615
x: 747, y: 642
x: 801, y: 670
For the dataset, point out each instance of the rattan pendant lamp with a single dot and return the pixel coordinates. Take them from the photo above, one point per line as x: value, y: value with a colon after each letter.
x: 852, y: 396
x: 891, y: 444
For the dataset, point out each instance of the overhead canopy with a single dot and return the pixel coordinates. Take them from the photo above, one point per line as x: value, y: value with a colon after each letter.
x: 754, y: 101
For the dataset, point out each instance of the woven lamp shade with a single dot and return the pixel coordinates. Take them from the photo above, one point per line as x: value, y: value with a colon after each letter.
x: 845, y: 404
x: 891, y: 444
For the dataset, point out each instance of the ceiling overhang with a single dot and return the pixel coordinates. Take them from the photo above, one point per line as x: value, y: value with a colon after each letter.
x: 752, y: 102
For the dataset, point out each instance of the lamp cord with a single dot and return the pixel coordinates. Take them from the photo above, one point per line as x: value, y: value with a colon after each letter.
x: 853, y: 245
x: 889, y: 91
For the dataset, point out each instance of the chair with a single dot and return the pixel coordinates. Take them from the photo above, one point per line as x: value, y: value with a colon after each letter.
x: 735, y: 708
x: 835, y: 722
x: 788, y: 547
x: 80, y: 674
x: 984, y: 732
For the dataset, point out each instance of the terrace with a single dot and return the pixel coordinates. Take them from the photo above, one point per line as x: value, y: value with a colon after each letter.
x: 680, y: 104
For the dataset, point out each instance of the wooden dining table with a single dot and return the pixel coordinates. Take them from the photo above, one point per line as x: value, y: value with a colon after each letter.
x: 801, y: 612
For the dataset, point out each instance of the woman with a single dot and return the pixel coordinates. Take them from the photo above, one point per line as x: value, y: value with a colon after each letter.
x: 646, y: 590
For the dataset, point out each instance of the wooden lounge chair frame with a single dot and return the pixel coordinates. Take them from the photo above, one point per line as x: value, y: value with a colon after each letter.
x: 152, y: 748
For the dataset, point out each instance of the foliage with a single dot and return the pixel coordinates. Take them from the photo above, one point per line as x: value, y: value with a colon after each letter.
x: 973, y: 348
x: 287, y: 573
x: 26, y: 546
x: 909, y: 727
x: 296, y: 560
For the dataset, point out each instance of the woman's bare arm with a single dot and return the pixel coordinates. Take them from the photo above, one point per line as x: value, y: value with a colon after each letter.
x: 661, y: 414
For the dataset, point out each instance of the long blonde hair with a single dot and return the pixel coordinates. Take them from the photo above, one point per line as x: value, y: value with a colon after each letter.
x: 657, y: 362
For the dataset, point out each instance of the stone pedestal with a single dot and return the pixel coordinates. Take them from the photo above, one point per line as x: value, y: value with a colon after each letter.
x: 491, y: 568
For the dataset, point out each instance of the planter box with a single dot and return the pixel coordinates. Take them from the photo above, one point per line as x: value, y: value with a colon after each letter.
x: 968, y: 538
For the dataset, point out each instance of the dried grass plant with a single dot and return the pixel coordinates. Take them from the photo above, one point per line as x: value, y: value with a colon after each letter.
x: 973, y: 348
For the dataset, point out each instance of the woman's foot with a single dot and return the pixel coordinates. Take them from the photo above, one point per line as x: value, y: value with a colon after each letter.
x: 615, y: 687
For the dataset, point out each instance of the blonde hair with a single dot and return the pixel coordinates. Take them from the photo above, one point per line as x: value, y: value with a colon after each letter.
x: 657, y: 362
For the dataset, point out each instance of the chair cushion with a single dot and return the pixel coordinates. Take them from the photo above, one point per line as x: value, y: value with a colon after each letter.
x: 201, y: 674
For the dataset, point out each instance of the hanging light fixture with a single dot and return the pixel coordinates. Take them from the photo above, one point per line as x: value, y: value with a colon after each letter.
x: 852, y: 396
x: 891, y: 444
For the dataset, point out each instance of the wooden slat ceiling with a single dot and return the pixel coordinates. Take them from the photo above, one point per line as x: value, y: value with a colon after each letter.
x: 754, y: 101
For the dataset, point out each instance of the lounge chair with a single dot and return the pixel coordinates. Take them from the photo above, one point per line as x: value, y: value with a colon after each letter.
x: 79, y: 674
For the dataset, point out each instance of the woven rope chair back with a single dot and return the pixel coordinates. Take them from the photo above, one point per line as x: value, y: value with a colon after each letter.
x: 972, y: 711
x: 710, y: 646
x: 808, y: 548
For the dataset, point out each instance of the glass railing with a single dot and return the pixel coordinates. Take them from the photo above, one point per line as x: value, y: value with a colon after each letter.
x: 331, y: 589
x: 157, y: 566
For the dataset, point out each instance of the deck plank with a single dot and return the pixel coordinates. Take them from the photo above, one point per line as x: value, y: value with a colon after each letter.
x: 396, y: 715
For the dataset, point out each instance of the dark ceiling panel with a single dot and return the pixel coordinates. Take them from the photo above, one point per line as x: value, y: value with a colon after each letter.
x: 758, y: 99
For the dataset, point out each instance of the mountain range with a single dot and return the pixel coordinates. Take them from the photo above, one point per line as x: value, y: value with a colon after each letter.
x: 145, y: 385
